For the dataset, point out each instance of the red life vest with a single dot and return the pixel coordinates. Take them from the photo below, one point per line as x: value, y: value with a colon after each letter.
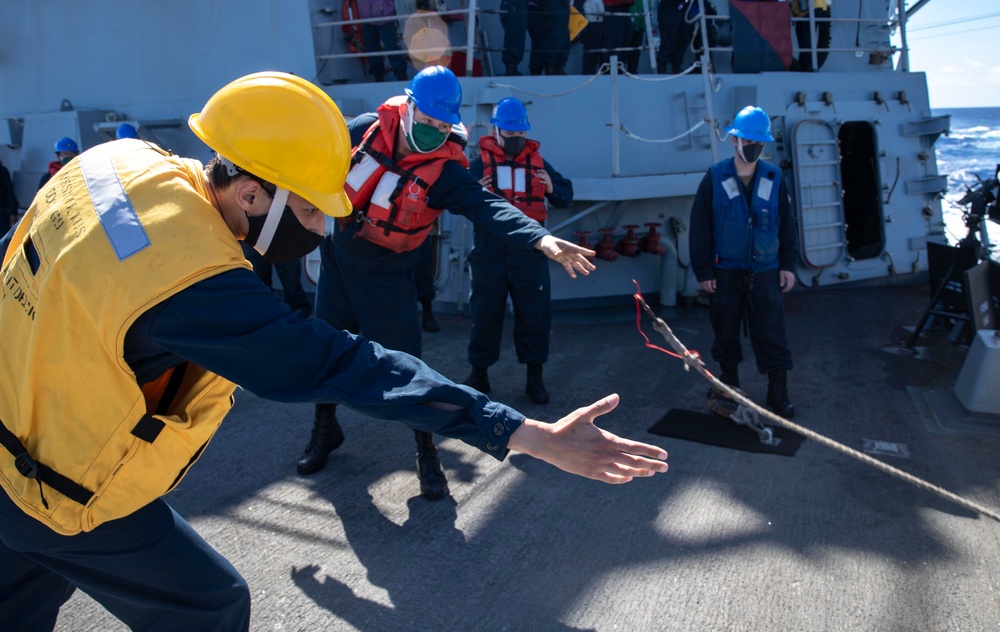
x: 352, y: 30
x: 515, y: 180
x: 391, y: 196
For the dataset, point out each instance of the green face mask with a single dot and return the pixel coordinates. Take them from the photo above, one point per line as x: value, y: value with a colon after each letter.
x: 425, y: 138
x: 64, y: 160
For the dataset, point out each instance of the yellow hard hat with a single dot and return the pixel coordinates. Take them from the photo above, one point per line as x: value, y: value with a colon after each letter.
x: 282, y: 129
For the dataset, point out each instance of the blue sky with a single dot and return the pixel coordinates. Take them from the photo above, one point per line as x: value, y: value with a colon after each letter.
x: 957, y: 43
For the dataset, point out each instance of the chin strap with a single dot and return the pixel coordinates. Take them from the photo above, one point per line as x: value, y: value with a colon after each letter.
x: 231, y: 168
x: 271, y: 223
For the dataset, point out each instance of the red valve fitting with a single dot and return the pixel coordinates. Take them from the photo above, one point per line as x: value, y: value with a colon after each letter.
x: 582, y: 241
x: 606, y: 247
x: 628, y: 245
x: 651, y: 241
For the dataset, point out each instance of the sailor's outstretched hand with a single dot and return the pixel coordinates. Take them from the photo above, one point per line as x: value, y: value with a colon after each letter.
x: 574, y: 444
x: 573, y: 257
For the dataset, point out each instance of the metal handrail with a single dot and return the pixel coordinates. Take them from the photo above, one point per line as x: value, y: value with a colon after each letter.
x: 471, y: 16
x: 468, y: 47
x: 473, y: 11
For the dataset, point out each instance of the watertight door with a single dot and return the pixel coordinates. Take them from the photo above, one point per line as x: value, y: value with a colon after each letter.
x: 819, y: 193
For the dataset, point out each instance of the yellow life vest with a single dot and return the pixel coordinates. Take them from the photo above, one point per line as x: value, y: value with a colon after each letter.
x: 115, y: 232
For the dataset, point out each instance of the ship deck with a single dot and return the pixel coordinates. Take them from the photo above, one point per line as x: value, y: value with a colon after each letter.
x: 726, y: 540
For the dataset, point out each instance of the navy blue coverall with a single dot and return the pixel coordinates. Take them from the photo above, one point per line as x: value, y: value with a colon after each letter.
x: 500, y: 268
x: 549, y: 29
x: 742, y: 293
x: 514, y: 18
x: 290, y: 274
x: 675, y: 35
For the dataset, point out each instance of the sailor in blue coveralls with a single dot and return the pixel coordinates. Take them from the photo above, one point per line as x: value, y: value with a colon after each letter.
x: 744, y: 245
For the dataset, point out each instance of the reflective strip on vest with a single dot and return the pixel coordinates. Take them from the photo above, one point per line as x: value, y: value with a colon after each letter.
x: 510, y: 179
x: 764, y: 188
x: 117, y: 215
x: 387, y: 184
x: 360, y: 172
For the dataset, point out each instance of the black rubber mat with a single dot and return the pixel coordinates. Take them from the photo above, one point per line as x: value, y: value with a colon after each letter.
x: 716, y: 430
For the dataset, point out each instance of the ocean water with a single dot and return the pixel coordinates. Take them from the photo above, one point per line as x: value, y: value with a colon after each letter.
x: 971, y: 148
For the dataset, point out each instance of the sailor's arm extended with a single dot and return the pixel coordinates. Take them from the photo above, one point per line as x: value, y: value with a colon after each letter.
x: 233, y: 325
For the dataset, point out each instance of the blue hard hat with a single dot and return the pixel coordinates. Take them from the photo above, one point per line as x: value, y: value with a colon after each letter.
x: 67, y: 144
x: 510, y: 115
x: 752, y: 123
x: 436, y: 92
x: 126, y: 131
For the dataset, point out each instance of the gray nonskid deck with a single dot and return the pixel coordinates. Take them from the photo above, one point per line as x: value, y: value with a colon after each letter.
x: 726, y: 540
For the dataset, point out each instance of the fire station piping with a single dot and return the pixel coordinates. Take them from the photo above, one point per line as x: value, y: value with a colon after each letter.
x: 615, y: 142
x: 668, y: 273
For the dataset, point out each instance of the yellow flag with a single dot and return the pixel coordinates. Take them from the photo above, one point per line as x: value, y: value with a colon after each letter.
x: 576, y: 23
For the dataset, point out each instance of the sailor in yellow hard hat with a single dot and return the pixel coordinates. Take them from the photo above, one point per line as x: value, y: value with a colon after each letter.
x: 127, y: 269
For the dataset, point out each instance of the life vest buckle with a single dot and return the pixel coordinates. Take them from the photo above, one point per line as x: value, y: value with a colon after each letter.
x: 26, y: 465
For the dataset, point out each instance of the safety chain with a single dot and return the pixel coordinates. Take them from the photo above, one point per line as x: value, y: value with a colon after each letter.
x: 693, y: 360
x: 605, y: 66
x: 694, y: 66
x: 663, y: 140
x: 603, y: 70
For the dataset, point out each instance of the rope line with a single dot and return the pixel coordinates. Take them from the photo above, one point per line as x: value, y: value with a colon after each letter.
x: 693, y: 360
x: 605, y: 66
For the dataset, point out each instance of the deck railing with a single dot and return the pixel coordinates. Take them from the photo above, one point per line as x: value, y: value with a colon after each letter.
x: 616, y: 70
x: 704, y: 21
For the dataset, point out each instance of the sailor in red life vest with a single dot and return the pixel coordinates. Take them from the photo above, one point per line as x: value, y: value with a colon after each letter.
x: 509, y: 164
x: 66, y: 150
x: 407, y: 165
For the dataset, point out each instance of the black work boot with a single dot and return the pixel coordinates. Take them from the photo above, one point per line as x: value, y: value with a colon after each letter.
x: 427, y: 321
x: 478, y: 379
x: 326, y: 437
x: 535, y: 388
x: 433, y: 484
x: 777, y: 394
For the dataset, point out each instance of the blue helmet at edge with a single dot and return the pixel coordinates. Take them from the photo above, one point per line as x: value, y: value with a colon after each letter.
x: 67, y: 144
x: 752, y: 123
x: 436, y: 92
x: 510, y: 115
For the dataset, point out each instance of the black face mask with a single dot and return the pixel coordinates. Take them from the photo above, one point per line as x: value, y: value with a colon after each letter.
x: 513, y: 145
x: 750, y: 152
x: 291, y: 239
